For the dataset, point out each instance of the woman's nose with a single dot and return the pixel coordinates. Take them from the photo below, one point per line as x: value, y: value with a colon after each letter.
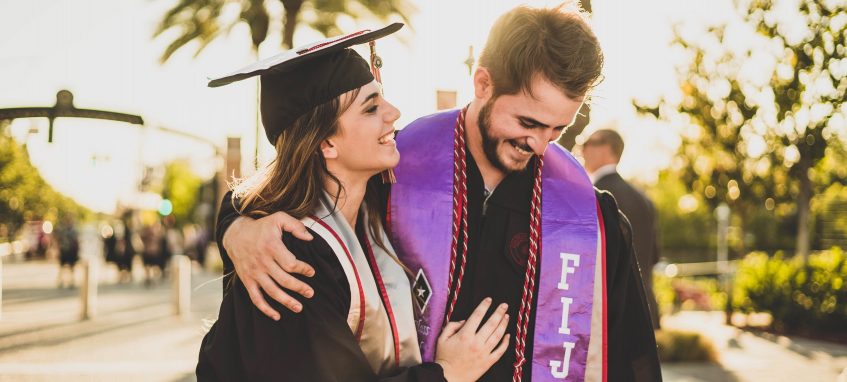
x: 393, y: 113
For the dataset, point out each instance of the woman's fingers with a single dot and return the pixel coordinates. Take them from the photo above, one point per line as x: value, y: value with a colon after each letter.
x: 493, y: 321
x: 451, y: 328
x: 473, y: 321
x: 497, y: 335
x: 500, y: 350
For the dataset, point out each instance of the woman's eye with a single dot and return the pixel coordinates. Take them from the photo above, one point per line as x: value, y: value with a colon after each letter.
x: 371, y: 109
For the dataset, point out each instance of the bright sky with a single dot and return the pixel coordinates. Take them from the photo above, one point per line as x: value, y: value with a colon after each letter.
x: 102, y: 51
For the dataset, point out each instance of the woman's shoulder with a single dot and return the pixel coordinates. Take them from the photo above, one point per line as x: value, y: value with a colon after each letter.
x: 320, y: 255
x: 306, y: 249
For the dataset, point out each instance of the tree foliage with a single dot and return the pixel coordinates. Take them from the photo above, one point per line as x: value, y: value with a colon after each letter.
x: 24, y: 195
x: 204, y: 21
x: 760, y: 120
x: 182, y: 187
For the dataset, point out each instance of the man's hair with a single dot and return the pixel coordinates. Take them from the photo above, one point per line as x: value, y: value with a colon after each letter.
x: 556, y: 43
x: 611, y: 138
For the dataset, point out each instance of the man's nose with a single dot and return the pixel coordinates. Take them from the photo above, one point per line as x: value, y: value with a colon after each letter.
x: 539, y: 142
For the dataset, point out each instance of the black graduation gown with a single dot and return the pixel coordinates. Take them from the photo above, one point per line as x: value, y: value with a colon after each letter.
x: 313, y: 345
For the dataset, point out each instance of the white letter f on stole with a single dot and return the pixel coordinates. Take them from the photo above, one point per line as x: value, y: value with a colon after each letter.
x: 567, y: 269
x: 560, y: 369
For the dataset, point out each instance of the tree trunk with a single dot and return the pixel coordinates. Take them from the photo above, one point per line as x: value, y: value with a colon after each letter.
x: 292, y: 12
x: 803, y: 207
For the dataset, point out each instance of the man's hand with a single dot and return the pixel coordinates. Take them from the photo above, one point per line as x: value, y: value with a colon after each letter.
x: 263, y: 263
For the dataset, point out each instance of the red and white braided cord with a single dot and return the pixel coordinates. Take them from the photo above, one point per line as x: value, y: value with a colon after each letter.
x: 460, y: 211
x: 460, y: 221
x: 529, y: 279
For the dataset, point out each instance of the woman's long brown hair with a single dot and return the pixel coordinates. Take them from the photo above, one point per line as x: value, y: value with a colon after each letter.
x: 295, y: 181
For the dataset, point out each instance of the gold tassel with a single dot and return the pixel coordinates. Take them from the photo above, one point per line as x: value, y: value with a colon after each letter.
x: 376, y: 62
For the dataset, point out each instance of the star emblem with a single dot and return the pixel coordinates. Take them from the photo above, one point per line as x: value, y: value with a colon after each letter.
x: 422, y: 289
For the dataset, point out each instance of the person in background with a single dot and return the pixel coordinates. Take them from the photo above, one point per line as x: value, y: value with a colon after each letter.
x: 68, y: 242
x: 601, y: 153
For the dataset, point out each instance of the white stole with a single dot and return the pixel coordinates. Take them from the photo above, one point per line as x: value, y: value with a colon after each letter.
x: 368, y: 318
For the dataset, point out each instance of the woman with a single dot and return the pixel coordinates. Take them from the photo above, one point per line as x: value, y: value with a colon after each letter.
x: 334, y: 134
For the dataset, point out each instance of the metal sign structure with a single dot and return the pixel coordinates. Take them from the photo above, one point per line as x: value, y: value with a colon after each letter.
x: 65, y: 108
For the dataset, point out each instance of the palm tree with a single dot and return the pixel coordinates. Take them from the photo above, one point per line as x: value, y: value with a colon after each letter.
x: 202, y: 20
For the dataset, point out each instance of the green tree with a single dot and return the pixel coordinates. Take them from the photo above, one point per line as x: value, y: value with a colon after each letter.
x: 24, y: 195
x: 757, y: 144
x: 203, y: 20
x: 182, y: 187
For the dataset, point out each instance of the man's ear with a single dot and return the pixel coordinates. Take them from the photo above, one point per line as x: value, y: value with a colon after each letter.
x: 329, y: 150
x: 482, y: 83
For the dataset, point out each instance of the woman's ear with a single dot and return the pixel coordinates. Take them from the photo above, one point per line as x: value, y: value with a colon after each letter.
x: 329, y: 150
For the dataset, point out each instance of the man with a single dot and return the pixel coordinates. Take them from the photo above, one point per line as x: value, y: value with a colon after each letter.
x: 468, y: 217
x: 602, y: 153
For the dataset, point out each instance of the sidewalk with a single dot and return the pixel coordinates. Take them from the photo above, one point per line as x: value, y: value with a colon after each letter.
x: 134, y: 337
x: 747, y: 356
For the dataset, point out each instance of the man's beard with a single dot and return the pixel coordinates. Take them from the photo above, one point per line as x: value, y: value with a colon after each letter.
x: 489, y: 143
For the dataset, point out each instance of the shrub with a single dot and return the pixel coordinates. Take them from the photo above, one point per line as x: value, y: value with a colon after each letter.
x: 801, y: 296
x: 688, y: 293
x: 679, y: 346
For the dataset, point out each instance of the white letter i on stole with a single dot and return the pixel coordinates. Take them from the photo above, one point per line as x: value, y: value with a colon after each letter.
x: 560, y: 369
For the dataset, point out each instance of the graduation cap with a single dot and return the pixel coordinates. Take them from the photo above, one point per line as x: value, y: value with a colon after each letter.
x: 296, y: 81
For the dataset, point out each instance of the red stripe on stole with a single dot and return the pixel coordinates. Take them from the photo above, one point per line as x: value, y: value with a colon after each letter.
x: 361, y: 324
x: 388, y: 212
x: 603, y: 274
x: 385, y: 301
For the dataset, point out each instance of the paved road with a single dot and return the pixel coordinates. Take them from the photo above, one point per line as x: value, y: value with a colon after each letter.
x: 134, y: 337
x: 747, y: 356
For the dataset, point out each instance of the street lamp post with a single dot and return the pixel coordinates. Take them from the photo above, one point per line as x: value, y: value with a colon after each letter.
x: 722, y: 213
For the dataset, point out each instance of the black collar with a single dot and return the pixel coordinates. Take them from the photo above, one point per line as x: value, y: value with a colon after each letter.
x: 515, y: 190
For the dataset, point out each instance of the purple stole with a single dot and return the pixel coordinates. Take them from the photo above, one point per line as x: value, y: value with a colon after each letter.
x: 420, y: 222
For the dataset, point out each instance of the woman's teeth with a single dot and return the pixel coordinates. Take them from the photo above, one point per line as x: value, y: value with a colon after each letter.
x: 387, y: 138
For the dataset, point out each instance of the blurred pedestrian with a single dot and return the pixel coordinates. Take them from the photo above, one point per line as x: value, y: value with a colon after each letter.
x: 125, y: 250
x: 602, y: 153
x: 110, y: 243
x: 171, y: 243
x: 151, y: 237
x: 68, y: 242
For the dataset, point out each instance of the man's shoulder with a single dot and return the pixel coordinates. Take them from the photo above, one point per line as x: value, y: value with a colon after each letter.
x: 436, y: 119
x: 612, y: 182
x: 620, y: 187
x: 615, y: 223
